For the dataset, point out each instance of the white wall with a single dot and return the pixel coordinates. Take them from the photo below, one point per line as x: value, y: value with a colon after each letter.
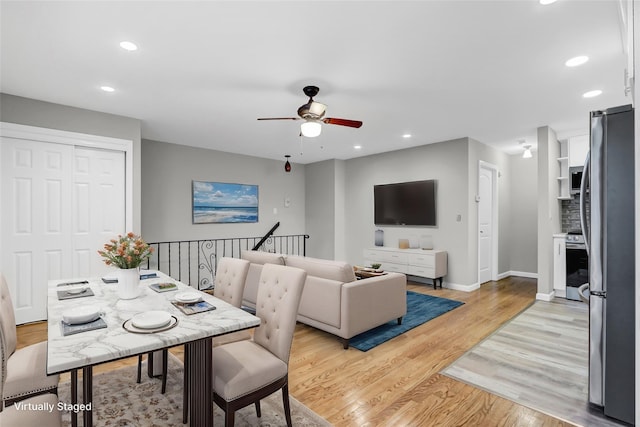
x: 167, y: 173
x: 548, y: 208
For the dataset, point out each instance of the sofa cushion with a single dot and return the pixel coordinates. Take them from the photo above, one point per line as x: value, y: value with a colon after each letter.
x: 260, y: 257
x: 327, y: 269
x: 321, y: 300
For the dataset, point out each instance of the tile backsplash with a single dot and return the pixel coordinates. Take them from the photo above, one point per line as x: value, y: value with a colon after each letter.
x: 571, y: 213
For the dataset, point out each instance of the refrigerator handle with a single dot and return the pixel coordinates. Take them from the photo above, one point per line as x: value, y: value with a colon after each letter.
x: 584, y: 225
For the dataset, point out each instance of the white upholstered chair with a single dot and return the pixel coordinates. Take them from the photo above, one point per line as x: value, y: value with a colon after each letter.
x: 231, y: 276
x: 250, y: 370
x: 33, y: 416
x: 26, y: 370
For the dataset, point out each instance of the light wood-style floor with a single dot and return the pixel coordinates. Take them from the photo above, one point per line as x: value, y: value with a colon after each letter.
x: 398, y: 383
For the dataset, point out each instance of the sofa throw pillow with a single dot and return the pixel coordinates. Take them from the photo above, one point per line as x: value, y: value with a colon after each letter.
x: 260, y: 257
x: 328, y: 269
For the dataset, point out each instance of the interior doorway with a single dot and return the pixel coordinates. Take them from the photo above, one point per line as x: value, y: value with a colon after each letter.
x: 487, y: 222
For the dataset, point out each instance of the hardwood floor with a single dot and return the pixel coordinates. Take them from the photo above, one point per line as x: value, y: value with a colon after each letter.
x: 398, y: 383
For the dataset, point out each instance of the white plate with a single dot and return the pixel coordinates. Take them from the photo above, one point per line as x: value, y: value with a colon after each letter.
x: 81, y: 314
x: 188, y: 297
x: 151, y: 319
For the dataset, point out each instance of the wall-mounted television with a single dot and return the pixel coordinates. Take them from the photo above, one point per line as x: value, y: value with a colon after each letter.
x: 405, y: 203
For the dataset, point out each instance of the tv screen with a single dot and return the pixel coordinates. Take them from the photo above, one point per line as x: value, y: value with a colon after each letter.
x: 405, y: 203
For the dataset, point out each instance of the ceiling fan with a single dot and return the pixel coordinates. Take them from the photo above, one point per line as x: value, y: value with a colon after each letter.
x: 313, y: 115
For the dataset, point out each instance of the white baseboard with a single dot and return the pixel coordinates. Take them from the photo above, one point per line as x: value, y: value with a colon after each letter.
x: 518, y: 274
x: 546, y: 297
x: 457, y: 287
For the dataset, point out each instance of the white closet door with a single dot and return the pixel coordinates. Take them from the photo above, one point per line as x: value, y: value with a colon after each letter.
x: 98, y: 206
x: 60, y: 204
x: 36, y: 201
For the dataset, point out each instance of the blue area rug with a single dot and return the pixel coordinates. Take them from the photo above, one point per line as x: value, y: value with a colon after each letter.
x: 420, y: 309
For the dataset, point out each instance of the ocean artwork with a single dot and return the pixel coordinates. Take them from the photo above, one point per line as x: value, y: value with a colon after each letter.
x: 221, y: 202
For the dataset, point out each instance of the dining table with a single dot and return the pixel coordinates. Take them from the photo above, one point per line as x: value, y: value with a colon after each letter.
x: 83, y: 350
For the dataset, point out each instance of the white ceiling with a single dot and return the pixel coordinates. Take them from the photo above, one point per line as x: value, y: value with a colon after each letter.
x: 204, y: 71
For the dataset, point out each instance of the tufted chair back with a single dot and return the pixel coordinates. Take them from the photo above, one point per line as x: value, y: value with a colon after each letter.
x: 3, y: 363
x: 7, y: 318
x: 279, y: 294
x: 230, y: 278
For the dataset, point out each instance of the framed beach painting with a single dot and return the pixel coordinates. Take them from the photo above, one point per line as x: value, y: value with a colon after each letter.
x: 221, y: 202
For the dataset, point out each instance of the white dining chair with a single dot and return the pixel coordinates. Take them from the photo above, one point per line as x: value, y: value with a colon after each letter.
x: 231, y: 276
x: 250, y: 370
x: 26, y: 370
x: 33, y: 416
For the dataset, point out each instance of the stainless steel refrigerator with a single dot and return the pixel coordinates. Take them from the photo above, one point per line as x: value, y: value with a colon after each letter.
x: 608, y: 181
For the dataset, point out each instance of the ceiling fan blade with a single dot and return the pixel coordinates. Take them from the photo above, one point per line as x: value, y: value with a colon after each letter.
x: 279, y: 118
x: 343, y: 122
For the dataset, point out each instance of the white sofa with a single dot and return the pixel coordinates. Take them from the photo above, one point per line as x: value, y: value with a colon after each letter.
x: 332, y: 299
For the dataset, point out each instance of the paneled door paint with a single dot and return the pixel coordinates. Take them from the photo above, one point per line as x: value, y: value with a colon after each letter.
x: 98, y: 206
x: 60, y: 203
x: 486, y: 223
x: 36, y: 196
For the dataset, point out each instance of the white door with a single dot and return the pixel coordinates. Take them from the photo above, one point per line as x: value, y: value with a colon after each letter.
x: 485, y: 225
x: 99, y: 206
x: 60, y: 204
x: 36, y: 178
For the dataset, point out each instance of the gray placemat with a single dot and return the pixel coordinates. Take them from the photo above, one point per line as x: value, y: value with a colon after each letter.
x: 68, y: 295
x: 67, y: 329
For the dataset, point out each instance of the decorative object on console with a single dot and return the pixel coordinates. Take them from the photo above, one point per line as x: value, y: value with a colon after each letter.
x: 379, y: 238
x: 426, y: 242
x: 414, y: 243
x: 127, y: 253
x: 403, y: 243
x: 221, y: 202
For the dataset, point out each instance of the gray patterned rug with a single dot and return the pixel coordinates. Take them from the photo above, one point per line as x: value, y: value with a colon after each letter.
x: 119, y: 401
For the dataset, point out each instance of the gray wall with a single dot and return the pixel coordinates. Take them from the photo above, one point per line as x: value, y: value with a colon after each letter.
x: 167, y: 173
x: 320, y: 212
x: 447, y: 163
x: 523, y: 225
x: 31, y: 112
x: 481, y: 152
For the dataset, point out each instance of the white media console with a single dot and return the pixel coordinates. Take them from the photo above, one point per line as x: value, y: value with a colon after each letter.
x: 416, y: 262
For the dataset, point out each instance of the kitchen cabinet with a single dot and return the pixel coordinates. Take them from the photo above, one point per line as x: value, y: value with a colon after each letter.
x: 560, y: 265
x: 564, y: 185
x: 572, y: 153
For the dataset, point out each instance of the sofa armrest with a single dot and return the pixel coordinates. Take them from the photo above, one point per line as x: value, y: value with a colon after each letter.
x: 371, y: 302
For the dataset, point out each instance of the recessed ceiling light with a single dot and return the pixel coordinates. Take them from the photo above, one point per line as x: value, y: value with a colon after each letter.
x: 357, y: 147
x: 546, y: 2
x: 406, y: 135
x: 128, y: 46
x: 592, y: 93
x: 578, y: 60
x: 107, y: 88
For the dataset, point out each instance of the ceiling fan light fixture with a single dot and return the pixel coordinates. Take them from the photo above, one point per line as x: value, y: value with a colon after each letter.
x: 317, y: 109
x: 310, y: 128
x: 527, y: 152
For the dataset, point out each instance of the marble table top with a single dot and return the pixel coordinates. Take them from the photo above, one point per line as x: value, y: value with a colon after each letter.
x: 69, y: 352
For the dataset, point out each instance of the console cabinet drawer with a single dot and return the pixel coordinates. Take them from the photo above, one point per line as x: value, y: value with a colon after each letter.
x: 416, y: 270
x: 430, y: 264
x: 426, y: 260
